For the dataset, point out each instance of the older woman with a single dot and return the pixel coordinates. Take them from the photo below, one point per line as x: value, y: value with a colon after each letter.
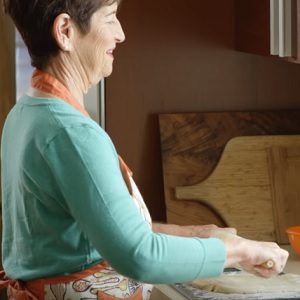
x: 74, y: 223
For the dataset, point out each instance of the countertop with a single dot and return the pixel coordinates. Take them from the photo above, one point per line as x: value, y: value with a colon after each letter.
x: 165, y: 292
x: 293, y: 264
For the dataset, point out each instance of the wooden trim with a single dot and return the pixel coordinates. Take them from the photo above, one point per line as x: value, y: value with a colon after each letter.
x: 297, y: 29
x: 7, y: 67
x: 295, y: 32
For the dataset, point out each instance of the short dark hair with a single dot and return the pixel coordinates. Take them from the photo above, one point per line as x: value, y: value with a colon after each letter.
x: 34, y: 20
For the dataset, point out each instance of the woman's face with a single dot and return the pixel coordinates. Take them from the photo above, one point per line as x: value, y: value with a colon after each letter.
x: 95, y: 49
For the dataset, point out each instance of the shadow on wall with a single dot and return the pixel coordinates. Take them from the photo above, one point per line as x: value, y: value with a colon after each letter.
x: 153, y: 165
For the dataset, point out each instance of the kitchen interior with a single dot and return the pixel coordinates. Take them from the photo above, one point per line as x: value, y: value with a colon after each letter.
x: 205, y: 96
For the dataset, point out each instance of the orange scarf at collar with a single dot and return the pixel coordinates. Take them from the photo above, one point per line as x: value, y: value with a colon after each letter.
x: 47, y: 83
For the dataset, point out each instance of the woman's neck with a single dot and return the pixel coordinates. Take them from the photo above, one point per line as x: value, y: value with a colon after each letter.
x: 72, y: 77
x: 46, y: 85
x: 33, y: 92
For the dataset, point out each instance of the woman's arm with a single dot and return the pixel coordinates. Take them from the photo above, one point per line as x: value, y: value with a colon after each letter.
x: 203, y: 231
x: 252, y: 256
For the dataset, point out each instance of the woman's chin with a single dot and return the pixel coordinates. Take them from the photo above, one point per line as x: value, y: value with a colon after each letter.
x: 101, y: 75
x: 107, y: 73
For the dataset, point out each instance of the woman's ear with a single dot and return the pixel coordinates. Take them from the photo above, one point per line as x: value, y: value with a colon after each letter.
x: 63, y: 32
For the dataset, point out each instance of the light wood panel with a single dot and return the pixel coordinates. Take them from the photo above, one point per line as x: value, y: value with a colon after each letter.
x: 284, y: 170
x: 192, y: 145
x: 242, y: 188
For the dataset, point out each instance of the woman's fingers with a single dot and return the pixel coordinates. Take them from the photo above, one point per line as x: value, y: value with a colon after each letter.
x: 260, y: 258
x: 276, y: 262
x: 206, y: 231
x: 214, y: 232
x: 230, y: 230
x: 265, y: 259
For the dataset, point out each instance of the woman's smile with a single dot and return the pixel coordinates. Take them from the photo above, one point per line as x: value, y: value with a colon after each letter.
x: 110, y: 52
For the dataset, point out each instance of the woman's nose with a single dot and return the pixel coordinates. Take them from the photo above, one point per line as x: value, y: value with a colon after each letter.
x: 120, y: 35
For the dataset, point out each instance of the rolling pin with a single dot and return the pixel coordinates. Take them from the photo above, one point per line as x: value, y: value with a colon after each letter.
x: 268, y: 264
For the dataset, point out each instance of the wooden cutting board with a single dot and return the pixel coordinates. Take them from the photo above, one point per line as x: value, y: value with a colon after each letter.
x: 192, y: 145
x: 284, y: 172
x: 255, y: 186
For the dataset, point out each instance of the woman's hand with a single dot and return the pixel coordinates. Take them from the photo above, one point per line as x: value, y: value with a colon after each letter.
x: 205, y: 231
x: 202, y: 231
x: 259, y: 258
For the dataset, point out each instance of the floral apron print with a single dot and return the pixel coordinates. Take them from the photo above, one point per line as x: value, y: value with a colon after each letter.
x: 105, y: 284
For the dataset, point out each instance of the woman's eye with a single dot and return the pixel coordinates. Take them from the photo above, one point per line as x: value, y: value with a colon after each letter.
x: 112, y: 20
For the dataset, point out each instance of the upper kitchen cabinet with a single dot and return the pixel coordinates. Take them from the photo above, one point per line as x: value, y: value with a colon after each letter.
x: 269, y: 27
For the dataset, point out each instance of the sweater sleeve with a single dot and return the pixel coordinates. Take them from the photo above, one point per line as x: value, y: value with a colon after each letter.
x: 85, y: 165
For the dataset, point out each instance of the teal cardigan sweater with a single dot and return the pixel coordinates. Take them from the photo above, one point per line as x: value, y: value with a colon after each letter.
x: 66, y: 207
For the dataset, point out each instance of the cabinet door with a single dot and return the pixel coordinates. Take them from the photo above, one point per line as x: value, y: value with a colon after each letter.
x: 253, y: 28
x: 296, y: 31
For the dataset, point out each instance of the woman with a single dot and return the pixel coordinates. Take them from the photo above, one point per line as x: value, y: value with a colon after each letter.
x: 74, y: 223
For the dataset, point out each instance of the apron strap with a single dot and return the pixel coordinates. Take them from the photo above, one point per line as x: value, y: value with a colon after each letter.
x: 15, y: 288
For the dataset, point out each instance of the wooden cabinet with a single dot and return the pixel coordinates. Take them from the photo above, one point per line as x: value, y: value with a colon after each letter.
x: 268, y: 27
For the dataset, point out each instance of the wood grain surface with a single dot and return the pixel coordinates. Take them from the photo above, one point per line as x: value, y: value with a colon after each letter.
x: 242, y: 191
x: 192, y: 144
x: 284, y: 171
